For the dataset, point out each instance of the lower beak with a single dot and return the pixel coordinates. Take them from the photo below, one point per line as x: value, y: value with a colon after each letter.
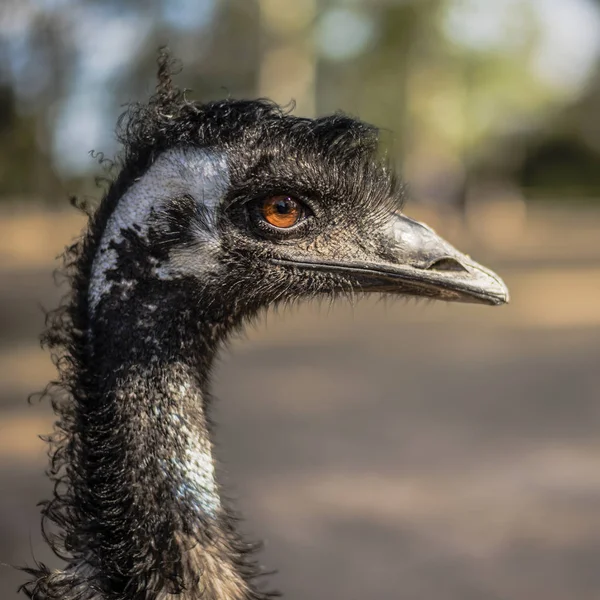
x: 418, y: 262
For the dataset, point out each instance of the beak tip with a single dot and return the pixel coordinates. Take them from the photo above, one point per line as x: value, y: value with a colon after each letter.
x: 497, y: 292
x: 503, y: 300
x: 501, y: 295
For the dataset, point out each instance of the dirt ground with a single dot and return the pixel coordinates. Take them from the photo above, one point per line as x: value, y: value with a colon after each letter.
x: 390, y: 450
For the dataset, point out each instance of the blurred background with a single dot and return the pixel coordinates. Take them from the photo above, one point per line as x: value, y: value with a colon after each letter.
x: 393, y: 450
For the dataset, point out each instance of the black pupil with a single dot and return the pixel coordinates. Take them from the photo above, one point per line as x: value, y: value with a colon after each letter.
x: 284, y: 206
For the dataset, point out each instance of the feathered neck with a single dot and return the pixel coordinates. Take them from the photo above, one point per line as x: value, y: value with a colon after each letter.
x: 153, y: 516
x: 138, y: 502
x: 136, y: 498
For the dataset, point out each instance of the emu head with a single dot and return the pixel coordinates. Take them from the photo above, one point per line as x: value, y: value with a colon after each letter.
x: 247, y: 205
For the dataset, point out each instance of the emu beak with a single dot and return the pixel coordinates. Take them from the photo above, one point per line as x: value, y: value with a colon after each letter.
x: 417, y: 262
x: 424, y: 264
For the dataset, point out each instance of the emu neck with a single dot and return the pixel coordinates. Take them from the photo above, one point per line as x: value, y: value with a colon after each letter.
x: 148, y: 488
x: 159, y: 432
x: 152, y: 522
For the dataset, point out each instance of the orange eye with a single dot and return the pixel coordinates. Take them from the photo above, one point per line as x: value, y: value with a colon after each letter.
x: 282, y: 211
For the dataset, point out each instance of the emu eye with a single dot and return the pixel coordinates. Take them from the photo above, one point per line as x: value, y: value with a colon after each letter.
x: 282, y: 211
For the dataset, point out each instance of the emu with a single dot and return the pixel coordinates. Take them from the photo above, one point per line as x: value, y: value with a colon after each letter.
x: 218, y: 211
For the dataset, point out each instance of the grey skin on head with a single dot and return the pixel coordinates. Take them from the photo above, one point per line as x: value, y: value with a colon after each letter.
x: 218, y: 212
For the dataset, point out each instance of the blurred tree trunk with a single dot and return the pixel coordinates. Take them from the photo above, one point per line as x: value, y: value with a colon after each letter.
x: 288, y: 62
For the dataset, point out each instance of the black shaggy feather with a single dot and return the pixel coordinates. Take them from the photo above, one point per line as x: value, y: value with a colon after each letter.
x: 122, y: 533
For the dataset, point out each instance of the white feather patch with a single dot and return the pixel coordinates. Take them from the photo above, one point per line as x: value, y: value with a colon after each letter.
x: 199, y: 173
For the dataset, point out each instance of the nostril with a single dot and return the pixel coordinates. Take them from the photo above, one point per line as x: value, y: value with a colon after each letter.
x: 446, y: 264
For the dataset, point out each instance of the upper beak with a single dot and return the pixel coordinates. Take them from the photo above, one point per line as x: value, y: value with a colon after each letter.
x: 424, y: 264
x: 418, y: 262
